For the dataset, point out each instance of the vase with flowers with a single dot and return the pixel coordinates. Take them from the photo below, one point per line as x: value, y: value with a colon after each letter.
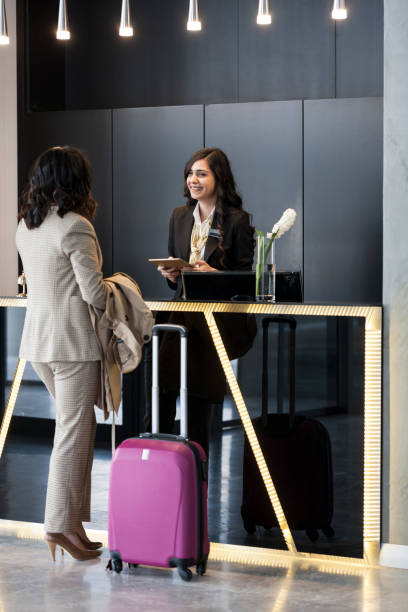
x: 265, y: 272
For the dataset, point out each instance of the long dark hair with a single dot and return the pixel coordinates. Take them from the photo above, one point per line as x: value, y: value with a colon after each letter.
x: 61, y: 176
x: 228, y: 199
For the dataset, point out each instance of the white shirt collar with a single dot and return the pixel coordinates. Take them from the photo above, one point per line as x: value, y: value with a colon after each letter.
x: 196, y: 215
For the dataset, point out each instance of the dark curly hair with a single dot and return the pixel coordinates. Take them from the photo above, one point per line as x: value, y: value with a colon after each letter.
x: 227, y: 197
x: 61, y: 176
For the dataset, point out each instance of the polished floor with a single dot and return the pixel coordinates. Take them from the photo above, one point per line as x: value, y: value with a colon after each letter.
x: 30, y: 582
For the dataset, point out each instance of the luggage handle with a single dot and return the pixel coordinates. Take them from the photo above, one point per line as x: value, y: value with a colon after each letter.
x: 169, y: 327
x: 265, y: 325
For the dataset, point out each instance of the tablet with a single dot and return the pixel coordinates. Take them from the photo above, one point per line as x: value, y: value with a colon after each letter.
x: 171, y: 263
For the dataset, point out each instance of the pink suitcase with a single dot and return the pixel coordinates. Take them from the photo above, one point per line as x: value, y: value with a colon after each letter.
x: 158, y: 490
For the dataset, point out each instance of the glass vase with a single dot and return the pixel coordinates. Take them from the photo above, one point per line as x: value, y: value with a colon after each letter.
x: 265, y: 269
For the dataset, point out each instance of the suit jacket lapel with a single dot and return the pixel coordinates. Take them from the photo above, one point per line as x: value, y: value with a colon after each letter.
x: 212, y: 242
x: 184, y: 236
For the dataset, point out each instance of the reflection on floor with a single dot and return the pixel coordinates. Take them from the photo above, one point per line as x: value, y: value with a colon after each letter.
x: 24, y: 468
x: 30, y: 582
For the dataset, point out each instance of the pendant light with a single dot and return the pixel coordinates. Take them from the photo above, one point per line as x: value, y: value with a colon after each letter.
x: 339, y: 9
x: 63, y: 32
x: 125, y: 23
x: 4, y: 38
x: 264, y: 16
x: 193, y: 22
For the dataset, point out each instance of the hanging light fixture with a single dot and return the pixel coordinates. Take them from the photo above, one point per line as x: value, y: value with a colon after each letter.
x: 264, y: 16
x: 63, y: 32
x: 193, y: 22
x: 4, y: 38
x: 339, y: 9
x: 125, y: 23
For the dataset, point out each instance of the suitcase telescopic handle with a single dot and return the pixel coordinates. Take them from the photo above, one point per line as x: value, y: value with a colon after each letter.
x: 292, y: 326
x: 169, y: 327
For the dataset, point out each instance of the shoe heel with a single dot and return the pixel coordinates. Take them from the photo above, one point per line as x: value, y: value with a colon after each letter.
x: 52, y: 546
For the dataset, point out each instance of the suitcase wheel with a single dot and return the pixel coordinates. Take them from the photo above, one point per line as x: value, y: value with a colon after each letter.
x: 328, y: 531
x: 185, y: 573
x: 201, y: 568
x: 133, y: 565
x: 312, y: 534
x: 117, y: 565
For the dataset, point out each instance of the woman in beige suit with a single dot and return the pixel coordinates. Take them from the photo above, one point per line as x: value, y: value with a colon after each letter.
x: 62, y: 263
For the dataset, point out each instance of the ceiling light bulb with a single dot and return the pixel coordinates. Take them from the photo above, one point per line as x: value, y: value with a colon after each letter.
x: 63, y: 32
x: 193, y: 22
x: 264, y: 16
x: 339, y: 9
x: 4, y: 38
x: 125, y: 23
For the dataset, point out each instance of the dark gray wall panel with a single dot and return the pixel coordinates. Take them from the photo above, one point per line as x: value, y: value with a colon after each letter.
x: 343, y: 200
x: 91, y: 131
x: 231, y: 60
x: 291, y: 58
x: 263, y: 141
x: 162, y: 65
x: 150, y: 148
x: 359, y: 50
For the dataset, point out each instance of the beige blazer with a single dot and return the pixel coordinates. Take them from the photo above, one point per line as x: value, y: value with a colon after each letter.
x: 62, y: 262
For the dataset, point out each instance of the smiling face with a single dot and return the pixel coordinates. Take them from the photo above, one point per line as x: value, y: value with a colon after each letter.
x: 201, y: 182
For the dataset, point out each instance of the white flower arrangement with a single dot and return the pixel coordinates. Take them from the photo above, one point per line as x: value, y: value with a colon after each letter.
x: 281, y: 227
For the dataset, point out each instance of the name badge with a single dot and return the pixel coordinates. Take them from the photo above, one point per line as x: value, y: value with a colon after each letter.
x: 214, y: 233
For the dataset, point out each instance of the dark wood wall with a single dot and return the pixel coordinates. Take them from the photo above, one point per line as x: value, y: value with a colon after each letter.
x: 304, y: 54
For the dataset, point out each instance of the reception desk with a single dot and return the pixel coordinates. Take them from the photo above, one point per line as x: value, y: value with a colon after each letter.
x: 371, y: 413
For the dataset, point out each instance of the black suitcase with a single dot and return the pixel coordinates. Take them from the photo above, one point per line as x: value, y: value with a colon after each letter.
x: 297, y: 451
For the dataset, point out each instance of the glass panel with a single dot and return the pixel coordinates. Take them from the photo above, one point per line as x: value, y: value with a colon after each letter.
x: 329, y: 367
x: 328, y: 427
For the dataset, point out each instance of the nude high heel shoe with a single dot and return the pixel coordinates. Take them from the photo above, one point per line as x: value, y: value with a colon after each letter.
x: 58, y: 539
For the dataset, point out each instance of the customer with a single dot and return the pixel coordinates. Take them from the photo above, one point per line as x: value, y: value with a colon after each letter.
x: 212, y: 232
x: 62, y: 262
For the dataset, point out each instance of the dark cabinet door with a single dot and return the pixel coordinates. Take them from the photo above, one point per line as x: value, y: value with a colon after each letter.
x: 90, y: 131
x: 263, y: 141
x: 343, y: 201
x: 150, y: 149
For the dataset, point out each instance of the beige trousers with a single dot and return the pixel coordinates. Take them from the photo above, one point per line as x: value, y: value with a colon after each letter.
x: 74, y: 387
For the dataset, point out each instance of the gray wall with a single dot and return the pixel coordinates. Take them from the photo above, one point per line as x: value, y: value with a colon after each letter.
x: 264, y: 144
x: 91, y: 131
x: 395, y: 293
x: 150, y: 148
x: 303, y: 54
x: 8, y: 157
x: 342, y: 200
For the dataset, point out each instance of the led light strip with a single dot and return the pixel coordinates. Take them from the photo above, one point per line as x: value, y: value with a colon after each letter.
x: 310, y: 310
x: 372, y: 443
x: 250, y: 432
x: 8, y: 413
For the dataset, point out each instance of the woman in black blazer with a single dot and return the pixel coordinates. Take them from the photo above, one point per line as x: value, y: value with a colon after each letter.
x: 212, y: 232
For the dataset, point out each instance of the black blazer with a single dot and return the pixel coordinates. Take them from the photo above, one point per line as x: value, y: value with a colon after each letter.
x: 205, y: 375
x: 237, y: 245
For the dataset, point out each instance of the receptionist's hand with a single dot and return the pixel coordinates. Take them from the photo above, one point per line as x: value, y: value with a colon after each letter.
x: 202, y: 266
x: 171, y: 274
